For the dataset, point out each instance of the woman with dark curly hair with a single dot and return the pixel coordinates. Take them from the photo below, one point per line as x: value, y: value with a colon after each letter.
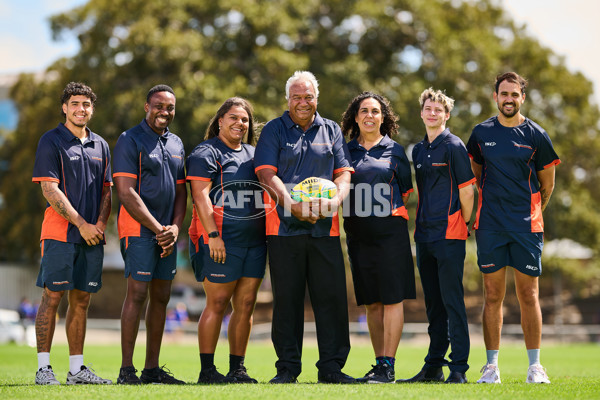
x: 227, y: 237
x: 376, y: 226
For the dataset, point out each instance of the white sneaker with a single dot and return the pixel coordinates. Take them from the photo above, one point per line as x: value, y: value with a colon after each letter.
x: 45, y: 376
x: 537, y: 374
x: 86, y: 376
x: 491, y: 374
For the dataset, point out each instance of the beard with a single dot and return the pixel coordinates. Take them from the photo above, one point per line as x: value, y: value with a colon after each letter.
x: 510, y: 114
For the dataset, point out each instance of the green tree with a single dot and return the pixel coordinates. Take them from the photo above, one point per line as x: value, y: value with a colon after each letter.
x: 208, y: 51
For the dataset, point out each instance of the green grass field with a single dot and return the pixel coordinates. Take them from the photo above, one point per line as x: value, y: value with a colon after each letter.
x: 574, y: 370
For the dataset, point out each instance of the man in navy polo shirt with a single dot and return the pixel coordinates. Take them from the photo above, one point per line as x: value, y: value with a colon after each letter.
x: 445, y: 183
x: 302, y: 237
x: 150, y: 180
x: 72, y: 165
x: 514, y: 163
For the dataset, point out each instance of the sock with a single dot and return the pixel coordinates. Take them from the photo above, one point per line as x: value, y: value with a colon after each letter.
x: 43, y: 360
x: 534, y: 356
x: 379, y: 360
x: 492, y: 357
x: 235, y: 362
x: 390, y: 360
x: 207, y: 360
x: 75, y: 363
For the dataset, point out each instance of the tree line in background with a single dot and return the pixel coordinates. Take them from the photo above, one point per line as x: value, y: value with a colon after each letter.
x: 209, y: 51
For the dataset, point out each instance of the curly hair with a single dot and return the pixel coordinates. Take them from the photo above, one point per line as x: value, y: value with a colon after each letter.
x: 213, y: 126
x: 389, y: 124
x: 76, y: 89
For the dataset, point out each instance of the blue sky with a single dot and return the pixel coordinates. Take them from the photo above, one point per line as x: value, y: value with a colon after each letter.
x: 570, y: 28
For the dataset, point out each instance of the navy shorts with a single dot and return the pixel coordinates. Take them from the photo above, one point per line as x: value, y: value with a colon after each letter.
x: 248, y: 262
x: 143, y: 261
x: 520, y: 250
x: 67, y: 266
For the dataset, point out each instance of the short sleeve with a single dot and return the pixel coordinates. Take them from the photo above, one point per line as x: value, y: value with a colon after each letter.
x: 267, y: 150
x: 461, y: 165
x: 473, y: 148
x: 402, y: 171
x: 202, y: 164
x: 341, y: 153
x: 47, y: 164
x: 126, y: 157
x: 545, y: 156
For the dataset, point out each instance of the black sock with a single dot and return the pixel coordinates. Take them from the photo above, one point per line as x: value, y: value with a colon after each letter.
x: 235, y: 362
x: 379, y: 360
x: 207, y: 360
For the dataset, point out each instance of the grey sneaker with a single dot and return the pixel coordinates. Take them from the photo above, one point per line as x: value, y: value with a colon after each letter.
x: 45, y: 376
x: 86, y: 376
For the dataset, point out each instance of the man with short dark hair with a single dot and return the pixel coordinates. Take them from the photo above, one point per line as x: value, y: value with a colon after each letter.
x: 303, y: 237
x: 150, y: 180
x: 72, y: 165
x: 514, y: 162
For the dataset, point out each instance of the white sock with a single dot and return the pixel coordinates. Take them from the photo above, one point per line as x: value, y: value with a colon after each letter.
x: 75, y: 363
x: 492, y: 357
x: 43, y: 360
x: 534, y: 356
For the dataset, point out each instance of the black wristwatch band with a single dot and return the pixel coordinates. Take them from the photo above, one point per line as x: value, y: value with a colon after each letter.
x: 213, y: 234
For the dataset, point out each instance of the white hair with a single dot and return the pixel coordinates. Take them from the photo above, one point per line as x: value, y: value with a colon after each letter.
x: 301, y: 76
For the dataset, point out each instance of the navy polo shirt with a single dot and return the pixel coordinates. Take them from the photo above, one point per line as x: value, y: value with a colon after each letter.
x: 441, y: 169
x: 381, y: 176
x: 295, y: 155
x: 509, y: 197
x: 235, y: 193
x: 81, y: 171
x: 157, y: 162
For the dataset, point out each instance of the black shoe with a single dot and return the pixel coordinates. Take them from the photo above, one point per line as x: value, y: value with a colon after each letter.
x: 159, y: 375
x: 425, y: 375
x: 456, y: 377
x: 240, y: 375
x: 381, y: 373
x: 336, y: 377
x: 127, y: 376
x: 284, y: 376
x: 369, y: 374
x: 211, y: 376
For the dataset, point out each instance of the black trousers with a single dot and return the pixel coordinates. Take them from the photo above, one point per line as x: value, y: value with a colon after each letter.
x: 295, y: 262
x: 441, y: 266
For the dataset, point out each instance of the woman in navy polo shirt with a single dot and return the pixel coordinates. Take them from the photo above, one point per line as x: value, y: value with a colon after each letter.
x: 376, y: 226
x: 227, y: 249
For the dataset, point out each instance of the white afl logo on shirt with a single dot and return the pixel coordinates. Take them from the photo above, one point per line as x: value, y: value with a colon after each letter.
x: 491, y: 144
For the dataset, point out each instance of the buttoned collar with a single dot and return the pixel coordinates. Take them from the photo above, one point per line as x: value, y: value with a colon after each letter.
x: 287, y: 120
x: 153, y: 134
x: 68, y: 135
x: 384, y: 142
x: 438, y: 139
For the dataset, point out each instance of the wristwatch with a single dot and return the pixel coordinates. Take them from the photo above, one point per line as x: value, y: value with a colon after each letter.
x: 213, y: 234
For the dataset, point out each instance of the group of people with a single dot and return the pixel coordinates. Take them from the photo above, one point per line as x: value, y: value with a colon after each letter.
x: 243, y: 213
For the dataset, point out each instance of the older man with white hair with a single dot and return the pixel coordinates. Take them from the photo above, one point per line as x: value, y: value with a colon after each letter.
x: 303, y: 237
